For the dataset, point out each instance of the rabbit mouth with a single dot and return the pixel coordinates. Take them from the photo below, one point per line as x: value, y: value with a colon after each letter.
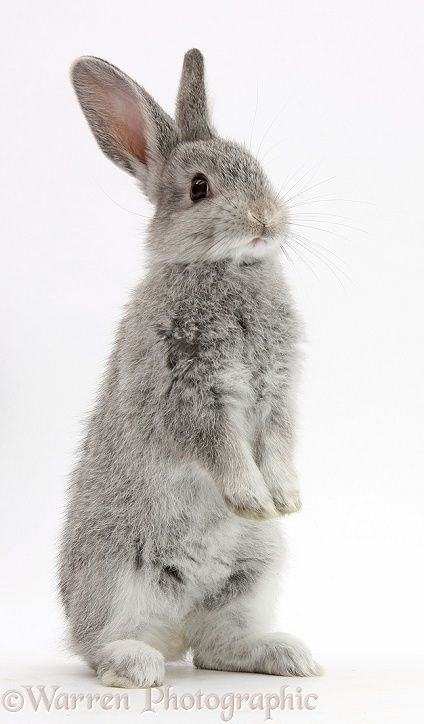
x: 258, y: 240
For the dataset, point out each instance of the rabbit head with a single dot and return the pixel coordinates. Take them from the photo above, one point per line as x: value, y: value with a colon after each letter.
x: 212, y: 199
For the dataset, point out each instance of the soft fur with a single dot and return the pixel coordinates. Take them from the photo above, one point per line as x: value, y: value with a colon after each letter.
x: 171, y: 541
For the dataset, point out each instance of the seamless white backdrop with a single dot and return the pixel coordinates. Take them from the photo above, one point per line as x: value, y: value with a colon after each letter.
x: 325, y: 92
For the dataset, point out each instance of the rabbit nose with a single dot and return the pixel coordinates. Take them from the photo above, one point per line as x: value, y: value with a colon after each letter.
x: 263, y: 213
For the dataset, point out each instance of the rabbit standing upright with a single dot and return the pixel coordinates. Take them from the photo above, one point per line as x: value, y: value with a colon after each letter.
x: 171, y: 543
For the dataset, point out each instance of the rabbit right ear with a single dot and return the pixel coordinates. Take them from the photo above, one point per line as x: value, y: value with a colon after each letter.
x: 192, y: 113
x: 129, y: 126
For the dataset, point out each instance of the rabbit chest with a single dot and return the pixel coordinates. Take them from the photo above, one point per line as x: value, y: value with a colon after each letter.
x: 238, y: 322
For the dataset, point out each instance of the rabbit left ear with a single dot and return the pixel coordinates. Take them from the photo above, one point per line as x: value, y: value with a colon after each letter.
x: 192, y: 114
x: 129, y: 126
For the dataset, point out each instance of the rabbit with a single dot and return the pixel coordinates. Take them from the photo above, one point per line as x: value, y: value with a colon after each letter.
x: 172, y: 545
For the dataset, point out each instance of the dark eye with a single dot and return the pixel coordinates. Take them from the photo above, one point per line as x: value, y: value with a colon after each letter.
x: 199, y: 188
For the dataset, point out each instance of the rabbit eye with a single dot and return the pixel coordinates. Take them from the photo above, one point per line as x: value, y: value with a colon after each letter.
x: 199, y: 188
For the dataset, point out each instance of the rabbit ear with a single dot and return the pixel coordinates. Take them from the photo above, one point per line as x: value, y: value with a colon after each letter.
x: 192, y: 112
x: 129, y: 126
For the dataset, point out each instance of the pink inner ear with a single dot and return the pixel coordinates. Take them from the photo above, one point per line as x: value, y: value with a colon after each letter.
x: 117, y: 104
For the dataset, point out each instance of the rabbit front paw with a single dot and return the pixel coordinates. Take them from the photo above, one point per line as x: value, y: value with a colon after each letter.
x: 287, y: 501
x: 281, y: 482
x: 251, y: 502
x: 244, y: 490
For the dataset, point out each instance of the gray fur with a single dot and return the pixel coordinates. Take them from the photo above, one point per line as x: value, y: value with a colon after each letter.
x: 170, y: 542
x: 192, y: 114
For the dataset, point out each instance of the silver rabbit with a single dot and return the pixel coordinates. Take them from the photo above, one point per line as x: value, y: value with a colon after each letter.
x: 171, y: 542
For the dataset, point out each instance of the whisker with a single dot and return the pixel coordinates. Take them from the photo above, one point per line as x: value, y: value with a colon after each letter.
x: 296, y: 183
x: 129, y: 211
x: 328, y: 263
x: 229, y: 201
x: 318, y: 244
x: 309, y: 188
x: 254, y: 115
x: 267, y: 130
x: 315, y: 218
x: 219, y: 244
x: 329, y: 232
x: 275, y: 145
x: 326, y: 199
x: 320, y: 252
x: 302, y: 258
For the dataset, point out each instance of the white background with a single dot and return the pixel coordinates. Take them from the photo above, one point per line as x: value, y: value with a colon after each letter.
x: 327, y: 92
